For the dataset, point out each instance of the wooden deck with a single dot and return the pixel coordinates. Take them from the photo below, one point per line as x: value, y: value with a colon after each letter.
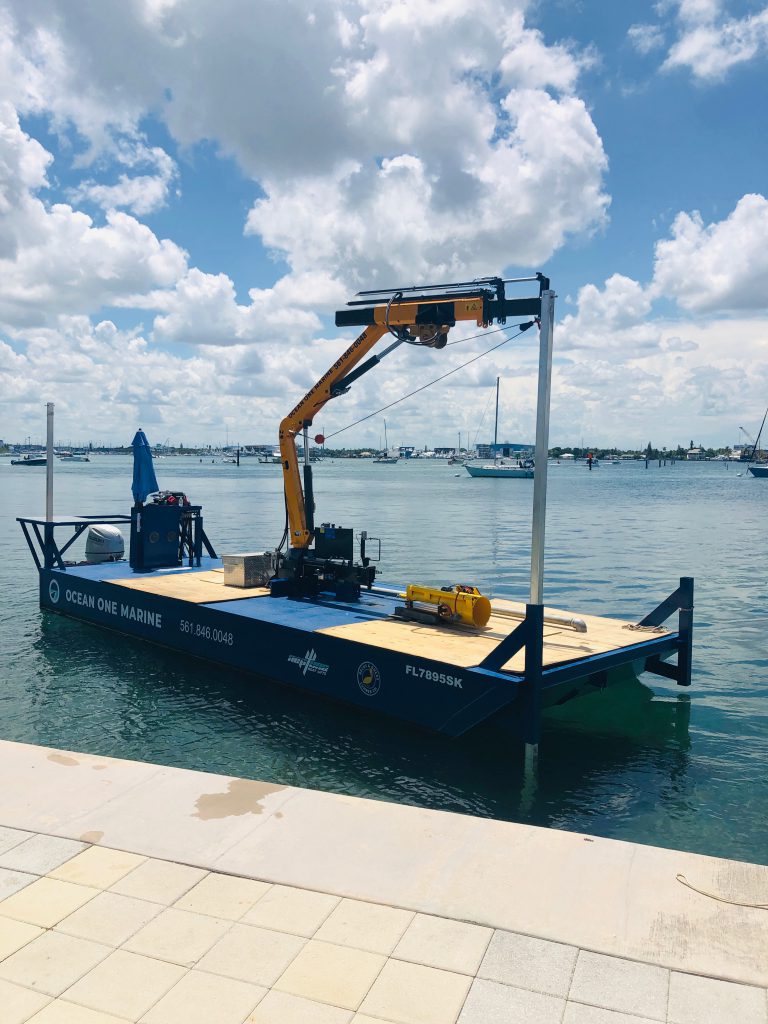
x: 459, y: 646
x: 467, y: 647
x: 196, y: 587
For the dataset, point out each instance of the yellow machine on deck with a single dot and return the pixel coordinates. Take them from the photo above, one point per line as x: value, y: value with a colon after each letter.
x: 450, y: 604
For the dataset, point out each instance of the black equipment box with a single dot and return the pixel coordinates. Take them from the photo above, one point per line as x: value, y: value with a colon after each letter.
x: 155, y: 537
x: 334, y: 542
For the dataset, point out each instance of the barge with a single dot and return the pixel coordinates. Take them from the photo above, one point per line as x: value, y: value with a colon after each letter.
x: 314, y: 617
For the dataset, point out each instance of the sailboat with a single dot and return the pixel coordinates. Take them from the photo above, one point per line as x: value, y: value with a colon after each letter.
x: 520, y: 469
x: 762, y: 469
x: 390, y: 455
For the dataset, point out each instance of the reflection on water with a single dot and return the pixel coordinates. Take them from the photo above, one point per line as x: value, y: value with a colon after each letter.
x: 650, y: 763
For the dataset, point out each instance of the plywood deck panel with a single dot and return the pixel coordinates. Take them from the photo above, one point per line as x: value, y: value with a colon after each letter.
x: 195, y: 587
x: 465, y: 648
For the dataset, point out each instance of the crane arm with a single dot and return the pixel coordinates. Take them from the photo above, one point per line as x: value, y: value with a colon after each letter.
x: 300, y: 417
x: 424, y: 319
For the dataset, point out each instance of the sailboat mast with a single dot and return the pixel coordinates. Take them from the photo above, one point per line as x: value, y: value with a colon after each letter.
x: 756, y: 445
x: 496, y: 424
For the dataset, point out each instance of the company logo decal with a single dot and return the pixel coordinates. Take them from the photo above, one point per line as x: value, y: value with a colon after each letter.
x: 53, y: 591
x: 309, y: 663
x: 369, y: 679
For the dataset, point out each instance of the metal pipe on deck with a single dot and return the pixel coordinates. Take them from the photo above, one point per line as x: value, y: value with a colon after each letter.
x: 550, y: 619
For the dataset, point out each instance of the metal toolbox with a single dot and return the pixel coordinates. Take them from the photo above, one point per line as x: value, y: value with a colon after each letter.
x: 249, y: 570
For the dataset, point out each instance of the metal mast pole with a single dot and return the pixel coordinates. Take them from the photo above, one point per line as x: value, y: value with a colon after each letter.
x: 49, y: 464
x: 542, y: 446
x: 496, y: 422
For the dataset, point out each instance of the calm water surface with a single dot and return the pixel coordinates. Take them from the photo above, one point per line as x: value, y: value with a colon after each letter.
x: 652, y: 764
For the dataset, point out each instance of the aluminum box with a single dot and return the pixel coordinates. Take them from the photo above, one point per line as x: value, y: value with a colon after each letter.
x: 248, y: 570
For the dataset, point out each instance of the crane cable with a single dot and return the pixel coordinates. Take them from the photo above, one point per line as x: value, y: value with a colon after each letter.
x: 523, y: 327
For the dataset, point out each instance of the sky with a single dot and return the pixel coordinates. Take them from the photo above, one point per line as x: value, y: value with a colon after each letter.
x: 189, y: 190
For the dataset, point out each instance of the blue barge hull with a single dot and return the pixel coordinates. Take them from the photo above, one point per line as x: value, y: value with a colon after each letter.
x: 307, y: 644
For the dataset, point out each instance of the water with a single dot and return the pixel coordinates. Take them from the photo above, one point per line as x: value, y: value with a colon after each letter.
x: 651, y: 764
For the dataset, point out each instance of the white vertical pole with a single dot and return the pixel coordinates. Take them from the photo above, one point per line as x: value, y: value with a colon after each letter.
x: 49, y: 464
x: 542, y: 447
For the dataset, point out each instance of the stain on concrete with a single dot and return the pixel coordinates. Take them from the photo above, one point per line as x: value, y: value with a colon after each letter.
x: 92, y: 837
x: 63, y: 759
x: 243, y: 796
x: 98, y: 767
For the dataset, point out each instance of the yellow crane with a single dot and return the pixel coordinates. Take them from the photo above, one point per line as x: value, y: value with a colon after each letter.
x: 420, y: 316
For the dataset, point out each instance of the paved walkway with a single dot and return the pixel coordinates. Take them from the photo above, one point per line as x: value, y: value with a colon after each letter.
x: 99, y: 936
x: 90, y: 934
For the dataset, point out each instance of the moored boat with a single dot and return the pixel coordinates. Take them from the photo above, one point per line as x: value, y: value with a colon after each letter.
x: 30, y: 460
x: 523, y: 469
x: 309, y: 613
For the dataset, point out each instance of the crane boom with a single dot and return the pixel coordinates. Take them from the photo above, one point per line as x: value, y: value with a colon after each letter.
x: 424, y: 318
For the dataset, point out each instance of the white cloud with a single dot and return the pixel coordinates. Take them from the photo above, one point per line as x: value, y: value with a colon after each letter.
x: 646, y: 38
x: 719, y: 266
x: 202, y: 309
x: 709, y: 43
x: 391, y: 141
x: 139, y: 193
x: 54, y: 259
x: 403, y: 220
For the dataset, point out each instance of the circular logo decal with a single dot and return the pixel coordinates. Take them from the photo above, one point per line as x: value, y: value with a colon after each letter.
x: 369, y: 679
x: 53, y: 591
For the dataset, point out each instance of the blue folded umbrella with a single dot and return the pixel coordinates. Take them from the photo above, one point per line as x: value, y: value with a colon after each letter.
x: 144, y: 479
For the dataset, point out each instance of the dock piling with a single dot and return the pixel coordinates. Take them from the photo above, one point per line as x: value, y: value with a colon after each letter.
x: 48, y: 528
x: 542, y: 446
x: 531, y: 690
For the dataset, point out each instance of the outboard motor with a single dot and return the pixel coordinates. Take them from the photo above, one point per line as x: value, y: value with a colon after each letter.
x: 104, y: 544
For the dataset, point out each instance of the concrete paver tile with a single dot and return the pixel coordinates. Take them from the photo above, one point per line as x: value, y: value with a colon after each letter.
x: 40, y: 854
x: 580, y: 1013
x: 10, y: 837
x: 52, y: 962
x: 223, y: 896
x: 526, y: 962
x: 109, y: 918
x: 252, y: 954
x: 13, y: 881
x: 15, y: 934
x: 697, y: 1000
x: 489, y: 1002
x: 286, y: 909
x: 439, y: 942
x: 19, y: 1003
x: 331, y: 974
x: 178, y: 936
x: 62, y: 1012
x: 618, y: 984
x: 201, y: 998
x: 159, y: 881
x: 98, y: 867
x: 283, y: 1008
x: 365, y: 926
x: 363, y: 1018
x: 125, y: 984
x: 413, y: 994
x: 46, y: 901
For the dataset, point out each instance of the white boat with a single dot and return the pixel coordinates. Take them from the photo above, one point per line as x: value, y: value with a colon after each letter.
x: 30, y: 460
x: 390, y: 455
x: 521, y: 468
